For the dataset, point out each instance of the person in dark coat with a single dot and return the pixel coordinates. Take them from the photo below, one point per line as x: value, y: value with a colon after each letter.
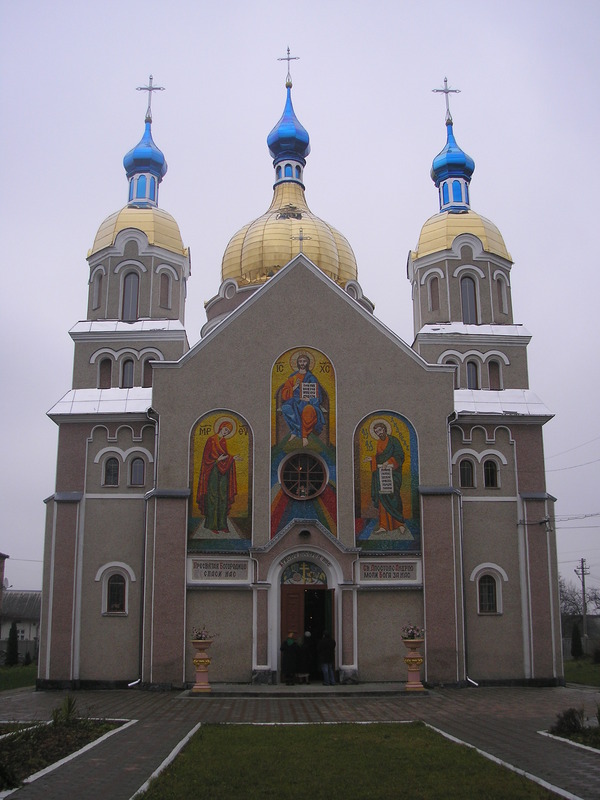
x: 326, y: 657
x: 289, y: 659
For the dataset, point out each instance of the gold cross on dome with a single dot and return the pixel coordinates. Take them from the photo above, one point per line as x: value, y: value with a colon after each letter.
x: 150, y: 88
x: 447, y: 91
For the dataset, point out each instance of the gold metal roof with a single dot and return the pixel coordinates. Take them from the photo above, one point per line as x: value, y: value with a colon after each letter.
x: 159, y: 226
x: 261, y: 248
x: 438, y: 233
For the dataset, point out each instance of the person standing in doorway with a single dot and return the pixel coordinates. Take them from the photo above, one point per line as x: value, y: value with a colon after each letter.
x: 289, y: 659
x: 326, y: 656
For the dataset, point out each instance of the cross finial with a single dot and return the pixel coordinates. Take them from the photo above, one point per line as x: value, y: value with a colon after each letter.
x: 447, y: 91
x: 150, y: 88
x: 288, y: 58
x: 301, y: 238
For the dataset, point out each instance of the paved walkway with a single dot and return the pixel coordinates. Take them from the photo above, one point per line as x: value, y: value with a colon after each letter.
x: 502, y: 722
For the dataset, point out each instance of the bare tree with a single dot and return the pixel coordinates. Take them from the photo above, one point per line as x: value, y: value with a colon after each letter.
x: 571, y: 603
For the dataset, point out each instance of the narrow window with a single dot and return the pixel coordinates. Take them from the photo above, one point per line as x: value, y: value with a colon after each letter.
x: 472, y: 375
x: 165, y: 290
x: 127, y: 381
x: 298, y: 173
x: 137, y: 472
x: 97, y: 290
x: 445, y: 196
x: 115, y: 594
x: 456, y: 191
x: 288, y: 170
x: 130, y: 297
x: 490, y: 474
x: 130, y: 191
x: 278, y: 173
x: 147, y: 373
x: 502, y: 295
x: 105, y: 374
x: 153, y: 188
x: 434, y: 294
x: 488, y: 603
x: 466, y: 474
x: 469, y: 301
x: 494, y: 375
x: 467, y: 193
x: 111, y: 472
x: 141, y: 187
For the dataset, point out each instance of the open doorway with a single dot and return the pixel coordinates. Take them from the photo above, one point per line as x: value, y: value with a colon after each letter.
x: 307, y: 609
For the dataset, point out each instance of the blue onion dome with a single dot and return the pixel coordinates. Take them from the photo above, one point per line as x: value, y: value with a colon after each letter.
x: 451, y: 172
x: 146, y: 166
x: 146, y: 156
x: 288, y: 139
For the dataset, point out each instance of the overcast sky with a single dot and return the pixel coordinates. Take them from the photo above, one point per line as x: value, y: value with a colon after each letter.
x: 527, y: 113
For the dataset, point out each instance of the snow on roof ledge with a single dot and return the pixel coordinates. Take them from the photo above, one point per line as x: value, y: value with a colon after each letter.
x: 103, y: 401
x: 466, y: 330
x: 516, y: 402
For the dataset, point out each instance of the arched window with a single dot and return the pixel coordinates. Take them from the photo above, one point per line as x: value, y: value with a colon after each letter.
x: 130, y: 297
x: 298, y: 173
x: 467, y: 193
x: 130, y: 191
x: 469, y: 301
x: 165, y: 290
x: 445, y: 195
x: 466, y: 474
x: 147, y: 373
x: 153, y: 188
x: 472, y: 375
x: 115, y: 594
x: 490, y: 474
x: 502, y: 295
x: 456, y: 191
x: 288, y: 170
x: 434, y: 294
x: 105, y: 374
x: 487, y: 595
x: 97, y: 290
x: 138, y: 469
x: 494, y: 375
x: 278, y: 173
x: 141, y: 187
x: 111, y: 472
x: 127, y: 380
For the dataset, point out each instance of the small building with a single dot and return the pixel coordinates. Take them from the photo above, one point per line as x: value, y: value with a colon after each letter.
x: 23, y: 608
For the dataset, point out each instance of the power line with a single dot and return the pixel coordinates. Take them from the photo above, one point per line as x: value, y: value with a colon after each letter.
x: 562, y: 469
x: 570, y: 450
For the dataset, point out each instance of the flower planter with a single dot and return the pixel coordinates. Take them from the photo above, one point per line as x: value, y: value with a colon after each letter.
x: 201, y: 663
x: 413, y: 661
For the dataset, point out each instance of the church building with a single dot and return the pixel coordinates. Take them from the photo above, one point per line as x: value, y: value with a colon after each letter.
x: 297, y: 472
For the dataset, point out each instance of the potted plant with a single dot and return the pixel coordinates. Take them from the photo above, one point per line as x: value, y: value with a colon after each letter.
x: 201, y: 641
x: 413, y: 637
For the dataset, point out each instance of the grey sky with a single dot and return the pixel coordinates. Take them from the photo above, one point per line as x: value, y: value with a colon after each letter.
x: 527, y: 114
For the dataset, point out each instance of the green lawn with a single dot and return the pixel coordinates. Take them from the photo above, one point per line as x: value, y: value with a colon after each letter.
x: 582, y: 671
x: 353, y: 761
x: 17, y: 676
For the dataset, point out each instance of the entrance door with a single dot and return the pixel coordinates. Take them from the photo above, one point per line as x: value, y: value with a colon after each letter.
x: 307, y: 609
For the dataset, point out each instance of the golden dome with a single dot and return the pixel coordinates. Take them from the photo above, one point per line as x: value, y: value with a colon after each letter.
x: 438, y: 233
x: 159, y: 226
x: 262, y: 247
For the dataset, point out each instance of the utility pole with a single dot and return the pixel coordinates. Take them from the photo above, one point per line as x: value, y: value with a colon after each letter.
x: 581, y: 572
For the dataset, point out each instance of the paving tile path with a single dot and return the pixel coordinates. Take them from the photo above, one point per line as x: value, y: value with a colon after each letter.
x: 503, y: 722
